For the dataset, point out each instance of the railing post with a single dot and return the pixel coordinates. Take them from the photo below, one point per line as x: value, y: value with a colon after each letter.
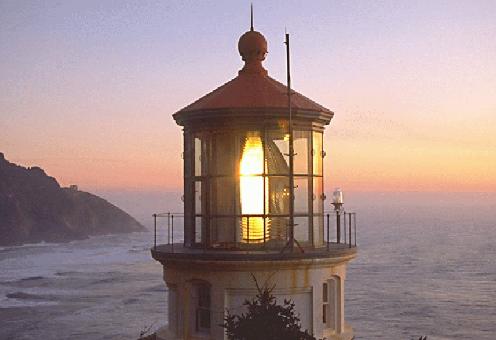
x: 354, y: 224
x: 172, y: 228
x: 338, y: 227
x: 184, y: 236
x: 349, y: 230
x: 235, y: 230
x: 287, y: 231
x: 168, y: 227
x: 344, y: 228
x: 248, y: 229
x: 154, y: 231
x: 264, y: 228
x: 327, y: 232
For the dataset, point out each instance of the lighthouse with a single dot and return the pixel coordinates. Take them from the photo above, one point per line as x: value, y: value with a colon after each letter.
x: 254, y: 207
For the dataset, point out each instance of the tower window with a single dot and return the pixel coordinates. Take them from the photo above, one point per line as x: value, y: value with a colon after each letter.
x: 331, y: 304
x: 203, y: 307
x: 325, y: 302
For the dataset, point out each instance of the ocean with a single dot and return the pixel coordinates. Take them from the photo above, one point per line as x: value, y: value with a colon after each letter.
x: 426, y: 265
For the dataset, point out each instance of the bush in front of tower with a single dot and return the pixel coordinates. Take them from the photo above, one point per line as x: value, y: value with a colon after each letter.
x: 266, y: 320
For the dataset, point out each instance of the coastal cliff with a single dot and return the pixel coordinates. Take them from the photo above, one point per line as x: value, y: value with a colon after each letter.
x: 35, y: 208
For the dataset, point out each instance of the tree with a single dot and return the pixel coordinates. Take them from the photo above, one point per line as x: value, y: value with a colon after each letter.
x: 265, y: 320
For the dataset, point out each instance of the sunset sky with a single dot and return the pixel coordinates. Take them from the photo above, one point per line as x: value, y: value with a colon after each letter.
x: 88, y: 88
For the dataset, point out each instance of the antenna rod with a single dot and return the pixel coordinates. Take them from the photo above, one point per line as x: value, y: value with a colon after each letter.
x: 251, y: 16
x: 291, y: 151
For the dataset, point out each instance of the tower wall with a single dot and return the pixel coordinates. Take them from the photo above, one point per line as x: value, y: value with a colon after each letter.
x: 231, y: 283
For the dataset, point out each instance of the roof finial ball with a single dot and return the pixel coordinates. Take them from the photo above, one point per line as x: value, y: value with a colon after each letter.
x: 252, y: 47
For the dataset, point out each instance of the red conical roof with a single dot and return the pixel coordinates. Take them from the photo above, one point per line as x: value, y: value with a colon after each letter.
x: 252, y: 89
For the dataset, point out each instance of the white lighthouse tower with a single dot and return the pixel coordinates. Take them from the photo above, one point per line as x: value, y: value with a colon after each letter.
x: 254, y: 206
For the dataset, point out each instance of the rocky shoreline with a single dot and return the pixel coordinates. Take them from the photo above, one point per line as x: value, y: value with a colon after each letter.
x: 35, y: 208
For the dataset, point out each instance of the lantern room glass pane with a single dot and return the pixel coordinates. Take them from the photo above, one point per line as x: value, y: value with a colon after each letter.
x: 317, y: 153
x: 253, y: 228
x: 222, y: 154
x: 223, y: 232
x: 252, y: 154
x: 278, y: 195
x: 301, y: 229
x: 301, y: 195
x: 318, y: 230
x: 318, y: 202
x: 221, y: 196
x: 198, y: 198
x: 301, y: 146
x: 252, y: 186
x: 277, y: 152
x: 277, y: 229
x: 198, y: 156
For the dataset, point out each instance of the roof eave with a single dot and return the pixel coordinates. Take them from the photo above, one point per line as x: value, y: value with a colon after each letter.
x: 183, y: 116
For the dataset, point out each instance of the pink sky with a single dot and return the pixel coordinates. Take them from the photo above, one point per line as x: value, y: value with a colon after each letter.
x: 88, y: 89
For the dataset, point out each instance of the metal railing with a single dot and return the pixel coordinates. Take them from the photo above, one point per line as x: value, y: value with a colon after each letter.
x: 170, y: 216
x: 344, y: 228
x: 339, y: 228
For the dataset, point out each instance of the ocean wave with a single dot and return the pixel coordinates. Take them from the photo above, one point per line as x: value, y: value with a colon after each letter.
x: 157, y: 288
x: 139, y: 249
x: 131, y: 301
x: 29, y: 245
x: 32, y: 278
x: 107, y: 280
x: 66, y: 273
x: 22, y: 299
x: 27, y: 296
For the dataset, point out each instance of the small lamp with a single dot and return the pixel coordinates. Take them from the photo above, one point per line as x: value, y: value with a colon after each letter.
x: 337, y: 202
x: 337, y: 199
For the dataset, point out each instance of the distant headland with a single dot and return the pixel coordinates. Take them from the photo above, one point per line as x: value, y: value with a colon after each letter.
x: 35, y: 208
